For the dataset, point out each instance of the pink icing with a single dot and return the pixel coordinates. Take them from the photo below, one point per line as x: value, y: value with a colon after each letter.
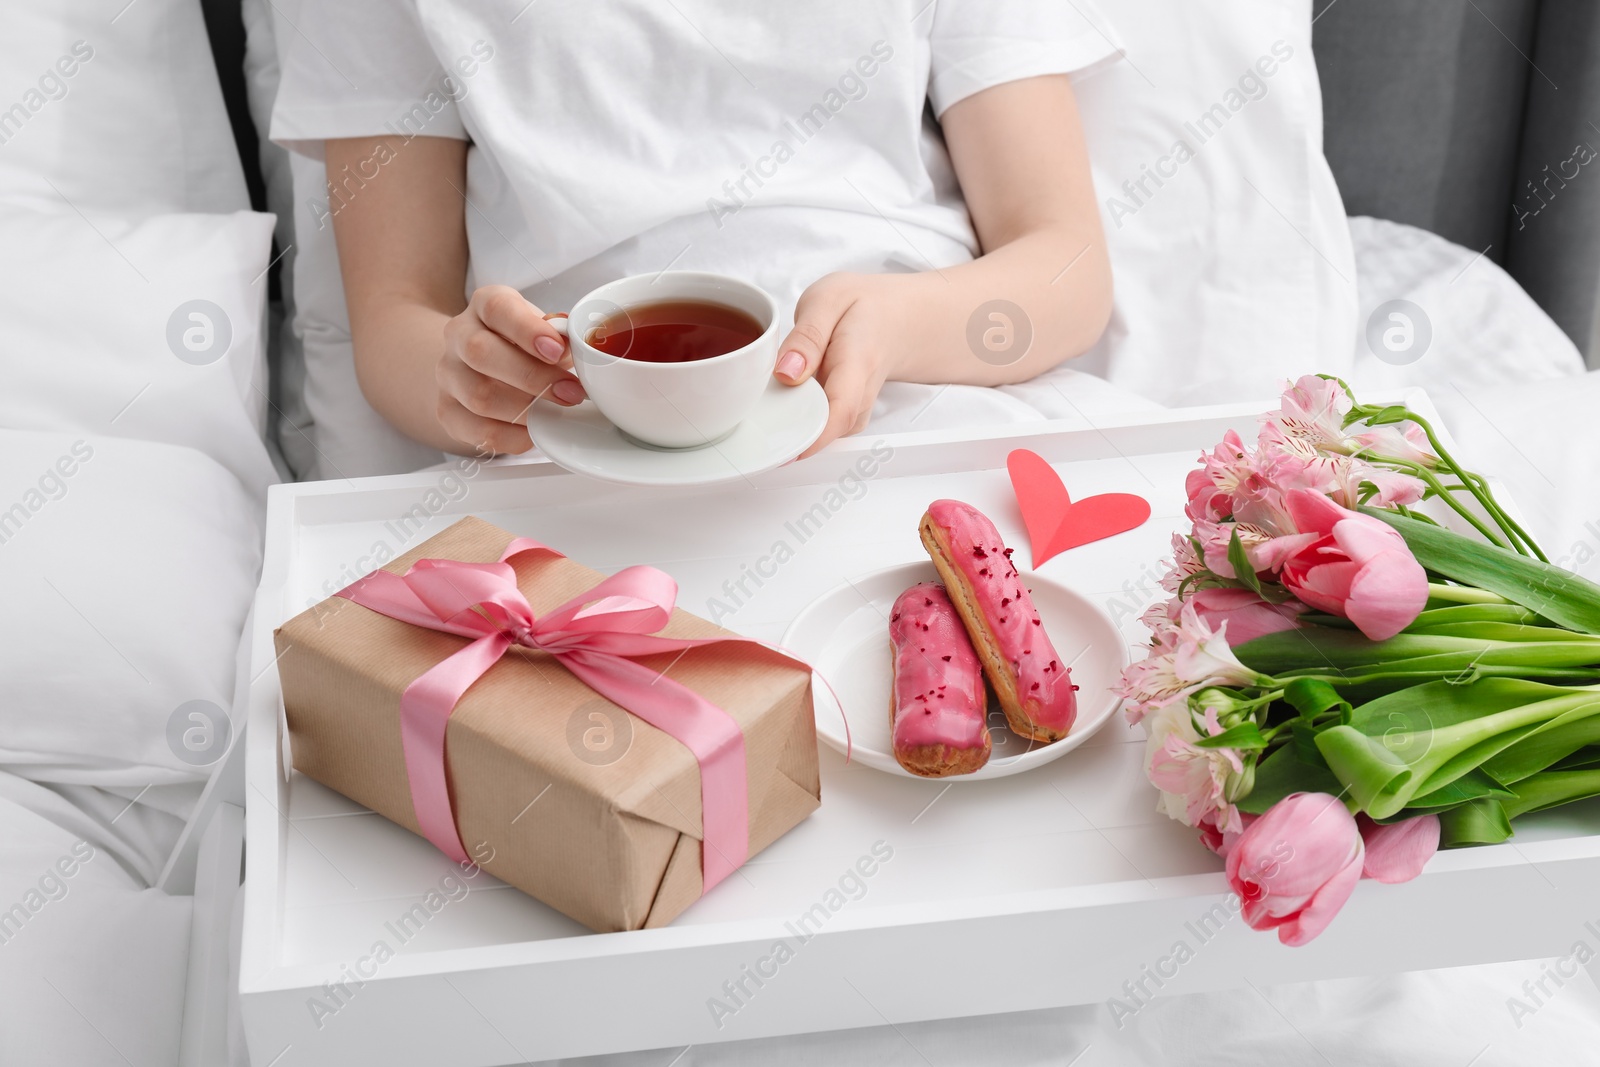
x: 1044, y: 683
x: 938, y: 683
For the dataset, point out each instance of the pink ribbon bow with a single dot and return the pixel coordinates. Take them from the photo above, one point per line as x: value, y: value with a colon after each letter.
x: 594, y: 635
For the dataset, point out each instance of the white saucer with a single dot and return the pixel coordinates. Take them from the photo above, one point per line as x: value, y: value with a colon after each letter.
x: 844, y: 635
x: 783, y: 423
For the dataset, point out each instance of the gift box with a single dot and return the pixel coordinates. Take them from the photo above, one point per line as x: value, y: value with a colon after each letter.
x: 528, y: 715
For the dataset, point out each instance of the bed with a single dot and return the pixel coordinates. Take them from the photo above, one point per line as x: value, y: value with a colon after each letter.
x: 122, y: 822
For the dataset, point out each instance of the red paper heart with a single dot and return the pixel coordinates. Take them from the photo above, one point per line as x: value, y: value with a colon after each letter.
x: 1054, y: 520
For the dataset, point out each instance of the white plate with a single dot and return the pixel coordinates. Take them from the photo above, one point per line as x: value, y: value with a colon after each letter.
x: 844, y: 634
x: 784, y: 421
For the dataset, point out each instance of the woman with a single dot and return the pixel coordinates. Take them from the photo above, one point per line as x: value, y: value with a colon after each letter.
x: 908, y: 175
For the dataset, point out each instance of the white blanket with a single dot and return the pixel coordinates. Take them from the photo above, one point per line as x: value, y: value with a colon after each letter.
x: 92, y: 960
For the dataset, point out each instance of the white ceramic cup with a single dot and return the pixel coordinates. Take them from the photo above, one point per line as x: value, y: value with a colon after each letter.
x: 673, y: 405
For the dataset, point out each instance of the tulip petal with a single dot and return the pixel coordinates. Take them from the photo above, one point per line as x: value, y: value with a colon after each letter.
x: 1398, y: 852
x: 1314, y: 512
x: 1314, y: 918
x: 1325, y: 586
x: 1386, y: 595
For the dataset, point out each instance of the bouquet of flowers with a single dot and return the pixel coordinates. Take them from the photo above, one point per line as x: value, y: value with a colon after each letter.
x: 1340, y: 684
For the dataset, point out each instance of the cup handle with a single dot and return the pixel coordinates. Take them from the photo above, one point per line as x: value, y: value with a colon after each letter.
x: 558, y: 319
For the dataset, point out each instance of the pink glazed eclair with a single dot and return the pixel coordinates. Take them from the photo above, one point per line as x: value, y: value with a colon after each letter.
x: 1035, y: 688
x: 938, y: 705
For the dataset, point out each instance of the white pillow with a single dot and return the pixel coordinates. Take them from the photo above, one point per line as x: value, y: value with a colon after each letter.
x: 1233, y: 268
x: 114, y: 107
x: 114, y: 328
x: 129, y: 567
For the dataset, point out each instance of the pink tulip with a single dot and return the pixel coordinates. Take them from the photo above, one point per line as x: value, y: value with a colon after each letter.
x: 1295, y: 866
x: 1359, y: 567
x: 1398, y: 852
x: 1247, y: 615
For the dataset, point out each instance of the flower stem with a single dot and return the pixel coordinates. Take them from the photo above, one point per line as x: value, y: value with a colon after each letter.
x: 1472, y: 483
x: 1455, y: 505
x: 1467, y: 674
x: 1463, y: 594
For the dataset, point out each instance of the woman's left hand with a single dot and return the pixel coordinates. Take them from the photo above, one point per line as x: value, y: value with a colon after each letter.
x: 847, y: 333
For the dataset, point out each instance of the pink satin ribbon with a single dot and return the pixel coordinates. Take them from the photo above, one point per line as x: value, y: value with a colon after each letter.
x: 594, y: 635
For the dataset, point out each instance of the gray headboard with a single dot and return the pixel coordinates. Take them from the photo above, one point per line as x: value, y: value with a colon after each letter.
x: 1480, y: 121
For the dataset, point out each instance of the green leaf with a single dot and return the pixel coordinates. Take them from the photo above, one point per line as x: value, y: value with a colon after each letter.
x: 1311, y: 697
x: 1514, y: 614
x: 1469, y: 786
x: 1552, y: 789
x: 1379, y: 780
x: 1243, y: 736
x: 1322, y: 650
x: 1420, y: 739
x: 1555, y: 740
x: 1580, y: 760
x: 1477, y: 822
x: 1239, y: 560
x: 1304, y: 737
x: 1557, y: 594
x: 1510, y: 632
x: 1283, y: 772
x: 1391, y: 414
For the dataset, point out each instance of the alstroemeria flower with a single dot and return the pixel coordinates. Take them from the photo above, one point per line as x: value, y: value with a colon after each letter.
x: 1393, y: 487
x: 1264, y: 546
x: 1359, y: 567
x: 1186, y: 656
x: 1295, y: 866
x: 1340, y: 477
x: 1186, y: 561
x: 1194, y: 782
x: 1399, y: 440
x: 1224, y: 473
x: 1309, y: 419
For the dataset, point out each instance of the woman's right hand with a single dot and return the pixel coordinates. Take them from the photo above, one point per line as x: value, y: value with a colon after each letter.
x: 501, y: 356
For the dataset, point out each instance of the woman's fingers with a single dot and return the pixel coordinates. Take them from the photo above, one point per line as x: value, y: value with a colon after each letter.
x: 483, y: 395
x: 501, y: 357
x: 485, y: 435
x: 816, y: 314
x: 505, y: 311
x: 848, y: 387
x: 492, y: 356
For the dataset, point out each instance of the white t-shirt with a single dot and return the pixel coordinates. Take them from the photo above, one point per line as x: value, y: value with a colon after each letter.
x: 775, y: 142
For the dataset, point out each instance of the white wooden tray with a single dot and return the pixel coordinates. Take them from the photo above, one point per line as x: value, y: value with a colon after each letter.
x: 1059, y: 886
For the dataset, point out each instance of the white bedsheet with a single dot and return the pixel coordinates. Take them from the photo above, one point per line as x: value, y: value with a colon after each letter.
x: 92, y: 960
x: 1516, y: 397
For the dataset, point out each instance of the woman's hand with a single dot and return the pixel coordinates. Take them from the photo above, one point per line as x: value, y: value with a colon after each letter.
x: 1044, y: 273
x: 500, y: 357
x: 845, y: 333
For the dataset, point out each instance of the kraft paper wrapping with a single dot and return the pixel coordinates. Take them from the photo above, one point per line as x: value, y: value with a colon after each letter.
x: 614, y: 841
